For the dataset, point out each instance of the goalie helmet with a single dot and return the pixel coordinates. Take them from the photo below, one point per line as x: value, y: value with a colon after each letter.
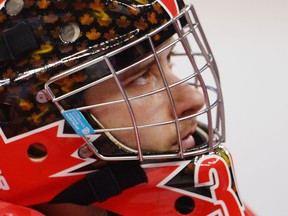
x: 94, y: 87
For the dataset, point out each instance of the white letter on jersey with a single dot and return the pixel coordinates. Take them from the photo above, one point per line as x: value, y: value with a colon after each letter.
x: 3, y: 183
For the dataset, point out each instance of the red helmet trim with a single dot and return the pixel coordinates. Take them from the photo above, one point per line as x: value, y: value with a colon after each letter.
x: 170, y: 6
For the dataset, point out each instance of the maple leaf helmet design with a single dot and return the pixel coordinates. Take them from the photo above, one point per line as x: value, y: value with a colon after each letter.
x: 52, y: 52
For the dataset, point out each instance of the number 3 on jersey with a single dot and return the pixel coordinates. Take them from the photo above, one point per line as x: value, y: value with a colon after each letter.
x: 213, y: 171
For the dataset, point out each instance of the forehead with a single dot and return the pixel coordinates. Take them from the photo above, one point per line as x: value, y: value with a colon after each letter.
x: 139, y: 53
x: 128, y: 61
x: 148, y: 59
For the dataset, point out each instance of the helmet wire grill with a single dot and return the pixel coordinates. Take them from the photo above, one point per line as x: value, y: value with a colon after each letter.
x: 208, y: 55
x: 214, y: 137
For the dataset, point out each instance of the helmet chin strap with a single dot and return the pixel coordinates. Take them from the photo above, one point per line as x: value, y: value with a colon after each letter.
x: 107, y: 144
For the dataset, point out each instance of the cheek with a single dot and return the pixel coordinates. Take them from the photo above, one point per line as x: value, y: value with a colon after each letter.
x: 152, y: 109
x: 158, y: 138
x: 113, y: 116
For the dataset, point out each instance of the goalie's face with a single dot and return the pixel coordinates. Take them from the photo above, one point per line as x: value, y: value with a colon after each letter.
x: 153, y: 109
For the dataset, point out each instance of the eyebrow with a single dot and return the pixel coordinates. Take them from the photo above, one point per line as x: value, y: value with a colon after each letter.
x: 135, y: 69
x: 124, y: 73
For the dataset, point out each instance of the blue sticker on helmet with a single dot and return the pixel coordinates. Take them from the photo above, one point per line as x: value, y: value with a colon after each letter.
x: 78, y: 122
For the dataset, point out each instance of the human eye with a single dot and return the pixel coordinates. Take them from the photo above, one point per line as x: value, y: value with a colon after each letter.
x: 142, y: 78
x: 138, y: 76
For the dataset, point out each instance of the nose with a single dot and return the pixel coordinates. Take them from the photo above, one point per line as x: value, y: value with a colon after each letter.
x: 187, y: 98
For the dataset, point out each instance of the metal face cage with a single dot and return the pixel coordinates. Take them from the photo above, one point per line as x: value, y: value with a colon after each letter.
x: 192, y: 61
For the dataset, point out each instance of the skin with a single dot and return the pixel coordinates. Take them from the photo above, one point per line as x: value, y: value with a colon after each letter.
x: 150, y: 109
